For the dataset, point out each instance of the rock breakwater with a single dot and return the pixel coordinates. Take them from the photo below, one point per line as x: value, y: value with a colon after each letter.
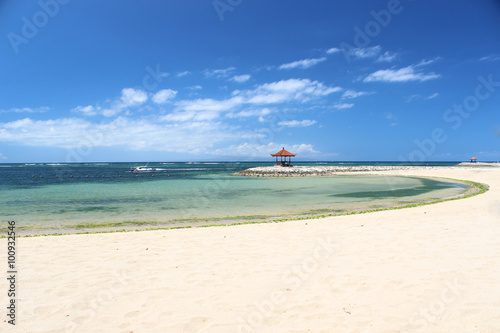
x: 301, y: 171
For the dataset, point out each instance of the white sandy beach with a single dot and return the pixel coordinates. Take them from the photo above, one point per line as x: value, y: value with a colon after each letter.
x: 432, y: 268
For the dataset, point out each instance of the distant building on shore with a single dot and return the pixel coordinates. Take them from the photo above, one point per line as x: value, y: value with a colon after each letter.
x: 281, y: 158
x: 473, y: 159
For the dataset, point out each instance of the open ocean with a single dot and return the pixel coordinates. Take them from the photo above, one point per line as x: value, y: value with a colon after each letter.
x: 52, y: 197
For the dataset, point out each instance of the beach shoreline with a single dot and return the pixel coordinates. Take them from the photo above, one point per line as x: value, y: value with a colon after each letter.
x: 112, y: 227
x: 430, y: 268
x: 339, y: 209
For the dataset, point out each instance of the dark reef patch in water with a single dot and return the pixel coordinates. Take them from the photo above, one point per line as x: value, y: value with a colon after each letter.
x: 428, y: 185
x: 96, y: 209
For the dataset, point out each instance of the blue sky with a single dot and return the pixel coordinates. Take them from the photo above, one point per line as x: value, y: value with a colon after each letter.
x: 238, y: 79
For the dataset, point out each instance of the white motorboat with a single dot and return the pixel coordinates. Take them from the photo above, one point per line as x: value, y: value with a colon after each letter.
x: 144, y: 168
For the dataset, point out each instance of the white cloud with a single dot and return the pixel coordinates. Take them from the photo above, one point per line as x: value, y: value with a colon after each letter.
x: 26, y: 110
x: 201, y: 109
x: 292, y: 90
x: 304, y: 63
x: 389, y: 115
x: 400, y: 75
x: 363, y: 53
x: 427, y: 62
x: 240, y: 78
x: 163, y: 96
x: 110, y: 112
x: 349, y: 94
x: 196, y: 87
x: 250, y: 113
x: 420, y: 97
x: 182, y: 116
x: 254, y: 150
x: 193, y: 125
x: 491, y: 57
x: 412, y: 97
x: 219, y: 73
x: 333, y: 50
x: 301, y: 90
x: 340, y: 106
x: 140, y: 134
x: 129, y: 98
x: 181, y: 74
x: 61, y: 132
x: 494, y: 155
x: 209, y: 104
x: 387, y: 57
x: 303, y: 148
x: 2, y: 157
x: 88, y: 110
x: 157, y: 73
x: 296, y: 123
x: 133, y: 97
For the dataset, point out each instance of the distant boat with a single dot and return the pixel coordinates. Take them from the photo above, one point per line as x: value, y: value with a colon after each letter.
x: 144, y: 168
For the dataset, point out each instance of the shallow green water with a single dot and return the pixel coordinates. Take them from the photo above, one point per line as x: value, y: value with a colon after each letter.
x: 207, y: 194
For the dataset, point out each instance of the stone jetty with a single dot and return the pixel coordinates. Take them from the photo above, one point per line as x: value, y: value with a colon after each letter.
x: 301, y: 171
x: 479, y: 164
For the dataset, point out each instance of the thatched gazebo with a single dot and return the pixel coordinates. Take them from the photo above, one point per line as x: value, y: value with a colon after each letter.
x: 281, y: 158
x: 473, y: 160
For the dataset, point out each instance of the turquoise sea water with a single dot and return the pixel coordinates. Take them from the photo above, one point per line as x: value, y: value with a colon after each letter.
x: 62, y: 197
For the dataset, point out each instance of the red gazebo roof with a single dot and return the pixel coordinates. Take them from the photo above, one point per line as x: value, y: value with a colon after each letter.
x: 283, y: 152
x: 473, y: 158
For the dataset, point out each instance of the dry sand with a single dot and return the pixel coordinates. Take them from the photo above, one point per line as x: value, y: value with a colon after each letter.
x: 433, y: 268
